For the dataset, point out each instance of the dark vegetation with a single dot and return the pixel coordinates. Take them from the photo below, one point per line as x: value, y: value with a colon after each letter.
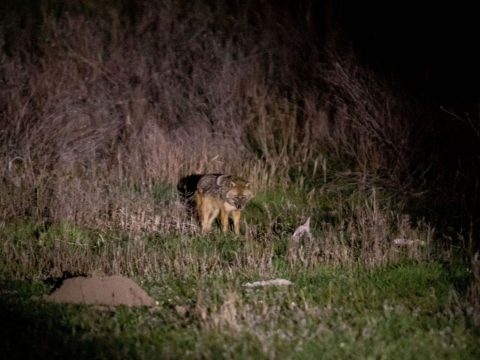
x: 106, y: 105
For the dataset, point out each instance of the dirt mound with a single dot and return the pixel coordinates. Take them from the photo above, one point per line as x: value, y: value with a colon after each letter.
x: 109, y: 290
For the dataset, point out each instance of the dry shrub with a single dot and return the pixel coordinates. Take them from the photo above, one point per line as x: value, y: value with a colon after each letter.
x: 102, y: 103
x: 368, y: 124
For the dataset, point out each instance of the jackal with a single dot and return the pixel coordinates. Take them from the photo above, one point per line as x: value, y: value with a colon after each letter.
x: 221, y: 194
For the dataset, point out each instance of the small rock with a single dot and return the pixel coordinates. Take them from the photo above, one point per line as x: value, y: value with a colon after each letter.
x: 274, y: 282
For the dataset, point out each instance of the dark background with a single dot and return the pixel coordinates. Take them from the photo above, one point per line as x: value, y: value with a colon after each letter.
x: 432, y: 47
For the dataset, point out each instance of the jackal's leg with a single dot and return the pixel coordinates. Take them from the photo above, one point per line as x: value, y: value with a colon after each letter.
x: 236, y: 221
x: 201, y: 211
x: 205, y: 215
x: 211, y: 215
x: 224, y: 220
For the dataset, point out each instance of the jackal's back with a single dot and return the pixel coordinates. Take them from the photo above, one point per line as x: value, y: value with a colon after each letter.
x: 213, y: 185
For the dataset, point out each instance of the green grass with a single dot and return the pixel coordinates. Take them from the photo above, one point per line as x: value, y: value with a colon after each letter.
x: 405, y: 311
x: 412, y: 304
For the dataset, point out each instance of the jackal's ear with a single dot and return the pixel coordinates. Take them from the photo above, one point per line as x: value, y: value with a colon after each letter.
x: 221, y: 179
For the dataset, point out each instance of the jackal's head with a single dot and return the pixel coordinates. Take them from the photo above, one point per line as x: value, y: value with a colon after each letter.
x: 238, y: 191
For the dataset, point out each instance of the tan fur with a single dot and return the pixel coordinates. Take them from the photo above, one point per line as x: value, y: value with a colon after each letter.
x: 223, y: 195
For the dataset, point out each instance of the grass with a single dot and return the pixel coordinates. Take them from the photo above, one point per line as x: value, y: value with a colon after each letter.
x: 412, y: 303
x: 409, y: 310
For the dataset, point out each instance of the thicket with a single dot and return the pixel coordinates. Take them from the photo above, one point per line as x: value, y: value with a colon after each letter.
x: 96, y: 95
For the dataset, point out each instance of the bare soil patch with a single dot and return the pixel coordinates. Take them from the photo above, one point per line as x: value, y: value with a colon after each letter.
x: 108, y: 290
